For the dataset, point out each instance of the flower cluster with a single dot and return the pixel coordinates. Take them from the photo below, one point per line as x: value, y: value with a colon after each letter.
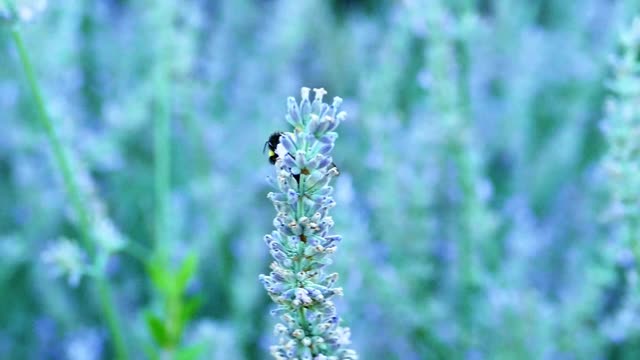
x: 621, y: 127
x: 301, y: 244
x: 65, y: 258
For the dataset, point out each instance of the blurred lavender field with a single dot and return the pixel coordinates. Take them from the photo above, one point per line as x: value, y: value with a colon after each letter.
x: 488, y: 196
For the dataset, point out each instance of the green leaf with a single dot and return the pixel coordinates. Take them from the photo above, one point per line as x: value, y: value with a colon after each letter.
x: 158, y: 330
x: 190, y: 308
x: 186, y: 272
x: 159, y: 276
x: 191, y: 352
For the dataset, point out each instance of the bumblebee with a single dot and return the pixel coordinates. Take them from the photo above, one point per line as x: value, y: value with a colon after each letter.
x: 272, y: 144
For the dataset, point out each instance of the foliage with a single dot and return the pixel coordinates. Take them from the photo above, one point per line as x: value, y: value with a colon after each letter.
x: 487, y: 197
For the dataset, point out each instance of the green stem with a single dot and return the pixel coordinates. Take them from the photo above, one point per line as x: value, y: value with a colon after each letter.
x: 58, y: 150
x: 111, y: 316
x: 104, y: 289
x: 162, y: 170
x: 162, y: 154
x: 300, y: 212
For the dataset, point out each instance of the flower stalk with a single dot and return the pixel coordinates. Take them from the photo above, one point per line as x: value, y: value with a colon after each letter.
x: 73, y: 188
x: 621, y: 127
x: 301, y: 244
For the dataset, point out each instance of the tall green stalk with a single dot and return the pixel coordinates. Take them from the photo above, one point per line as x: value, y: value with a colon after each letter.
x: 162, y: 158
x: 162, y: 26
x: 104, y: 290
x: 451, y: 100
x: 447, y: 101
x: 162, y: 129
x: 58, y: 149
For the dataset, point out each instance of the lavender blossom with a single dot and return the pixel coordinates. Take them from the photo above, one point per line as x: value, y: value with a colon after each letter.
x: 301, y: 244
x: 66, y: 259
x: 621, y: 129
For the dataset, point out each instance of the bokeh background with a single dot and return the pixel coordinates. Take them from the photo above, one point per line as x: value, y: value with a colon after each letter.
x: 473, y: 199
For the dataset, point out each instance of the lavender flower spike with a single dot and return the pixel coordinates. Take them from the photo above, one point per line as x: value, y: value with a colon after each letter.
x: 301, y: 245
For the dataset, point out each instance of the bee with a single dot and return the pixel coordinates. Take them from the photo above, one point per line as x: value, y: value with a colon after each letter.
x: 272, y: 144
